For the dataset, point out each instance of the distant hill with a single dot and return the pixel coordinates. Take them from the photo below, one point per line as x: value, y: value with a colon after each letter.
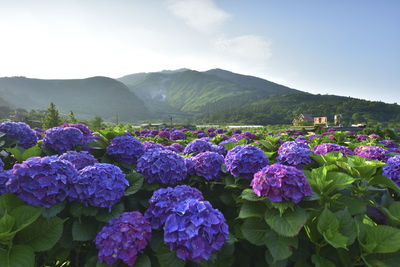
x: 96, y: 96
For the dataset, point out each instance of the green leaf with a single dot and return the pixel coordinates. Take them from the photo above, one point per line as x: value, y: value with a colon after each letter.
x: 53, y: 210
x: 280, y: 247
x: 394, y: 209
x: 335, y: 238
x: 9, y: 202
x: 6, y: 223
x: 229, y: 146
x: 135, y: 181
x: 18, y: 256
x: 34, y: 151
x: 340, y: 180
x: 347, y: 225
x: 384, y: 181
x: 321, y: 262
x: 143, y: 261
x: 84, y: 230
x: 248, y: 194
x: 43, y: 234
x: 255, y: 230
x: 289, y: 224
x: 252, y: 209
x: 383, y: 239
x: 282, y: 206
x: 24, y: 216
x: 104, y: 215
x: 79, y: 209
x: 328, y: 226
x: 167, y: 258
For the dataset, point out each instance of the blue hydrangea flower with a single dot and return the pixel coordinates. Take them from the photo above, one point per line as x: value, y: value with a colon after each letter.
x: 208, y: 165
x: 325, y: 148
x: 314, y: 136
x: 392, y: 169
x: 163, y: 201
x: 87, y: 133
x: 177, y: 135
x: 295, y: 154
x: 164, y: 134
x: 201, y: 135
x: 178, y: 148
x: 278, y: 182
x: 198, y: 146
x: 195, y: 230
x: 1, y: 165
x: 162, y: 166
x: 4, y: 177
x: 127, y: 149
x: 21, y: 132
x: 39, y: 133
x: 189, y: 164
x: 100, y: 185
x: 63, y: 139
x: 123, y: 238
x: 151, y: 145
x: 372, y: 152
x: 79, y: 159
x: 245, y: 160
x: 42, y: 181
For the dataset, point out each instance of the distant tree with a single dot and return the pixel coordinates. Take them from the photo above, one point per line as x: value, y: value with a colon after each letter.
x: 52, y: 118
x: 96, y: 123
x: 71, y: 117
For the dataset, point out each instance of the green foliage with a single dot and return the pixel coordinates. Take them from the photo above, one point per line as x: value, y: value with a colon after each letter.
x: 52, y: 118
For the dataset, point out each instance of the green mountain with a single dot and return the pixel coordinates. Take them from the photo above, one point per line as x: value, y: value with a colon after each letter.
x: 96, y: 96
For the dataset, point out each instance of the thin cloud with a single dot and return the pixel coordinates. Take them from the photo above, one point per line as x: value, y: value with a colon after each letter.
x: 202, y: 15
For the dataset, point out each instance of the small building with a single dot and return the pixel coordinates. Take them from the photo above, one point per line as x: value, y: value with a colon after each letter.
x: 320, y: 120
x: 303, y: 119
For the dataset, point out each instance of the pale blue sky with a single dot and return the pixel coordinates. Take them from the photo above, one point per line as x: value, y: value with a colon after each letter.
x: 343, y: 47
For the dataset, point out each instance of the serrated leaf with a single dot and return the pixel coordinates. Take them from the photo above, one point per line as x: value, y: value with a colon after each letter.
x: 24, y: 216
x: 289, y: 224
x: 16, y: 153
x: 34, y: 151
x: 43, y: 234
x: 18, y: 256
x: 84, y: 230
x: 104, y: 215
x: 383, y: 239
x: 167, y: 258
x: 347, y: 225
x: 78, y: 209
x: 143, y: 261
x: 249, y: 195
x: 394, y: 209
x: 6, y: 223
x: 255, y: 230
x: 280, y: 247
x: 384, y: 181
x: 252, y: 209
x: 53, y: 210
x: 135, y: 183
x: 321, y: 261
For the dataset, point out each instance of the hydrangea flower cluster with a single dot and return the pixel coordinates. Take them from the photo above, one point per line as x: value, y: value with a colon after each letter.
x: 212, y: 134
x: 79, y: 159
x: 294, y: 154
x: 87, y: 133
x: 163, y: 201
x: 325, y: 148
x: 237, y: 131
x: 151, y: 145
x: 197, y: 146
x: 42, y: 181
x: 362, y: 137
x: 162, y: 166
x: 178, y: 147
x: 195, y: 230
x: 4, y: 177
x: 123, y: 238
x: 177, y: 135
x: 1, y: 165
x: 392, y: 169
x: 245, y: 160
x: 302, y: 139
x: 39, y: 132
x: 374, y: 136
x: 278, y: 182
x: 164, y: 134
x: 100, y: 185
x: 63, y: 139
x: 208, y: 165
x: 201, y: 135
x: 189, y: 164
x: 21, y: 132
x: 127, y: 149
x: 373, y: 152
x: 390, y: 145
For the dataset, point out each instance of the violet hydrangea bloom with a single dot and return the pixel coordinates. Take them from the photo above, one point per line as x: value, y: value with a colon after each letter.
x: 390, y: 145
x: 79, y: 159
x: 164, y: 134
x: 195, y: 230
x: 373, y: 152
x: 39, y: 133
x: 21, y: 132
x: 198, y: 146
x: 245, y: 160
x: 127, y: 149
x: 325, y: 148
x: 4, y: 177
x: 177, y: 135
x: 278, y: 182
x: 208, y: 165
x: 178, y: 147
x: 294, y: 154
x: 162, y: 166
x: 189, y: 164
x: 100, y: 185
x: 42, y: 181
x: 314, y: 136
x: 392, y: 169
x: 151, y: 145
x: 164, y: 200
x: 1, y: 165
x: 87, y: 133
x: 123, y: 238
x: 63, y: 139
x: 362, y: 137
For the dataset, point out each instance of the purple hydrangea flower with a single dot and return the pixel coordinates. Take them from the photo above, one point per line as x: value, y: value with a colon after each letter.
x: 212, y: 134
x: 127, y: 149
x: 100, y: 185
x: 201, y: 135
x: 209, y: 130
x: 245, y: 160
x: 144, y: 131
x: 178, y: 147
x: 79, y: 159
x: 42, y: 181
x: 164, y: 200
x: 123, y: 238
x: 325, y: 148
x: 392, y: 169
x: 362, y: 137
x: 198, y: 146
x: 151, y: 145
x: 302, y: 139
x: 164, y: 134
x: 208, y: 165
x: 63, y: 139
x: 189, y: 164
x: 373, y: 152
x: 314, y: 136
x: 278, y: 182
x: 177, y: 135
x: 388, y: 143
x: 237, y: 131
x: 294, y: 154
x: 39, y: 133
x: 154, y: 132
x: 162, y: 166
x: 87, y: 133
x: 195, y: 230
x: 4, y: 177
x: 220, y: 130
x: 21, y: 132
x: 1, y: 165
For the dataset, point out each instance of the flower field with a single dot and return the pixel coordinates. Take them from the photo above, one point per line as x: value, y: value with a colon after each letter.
x: 209, y: 197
